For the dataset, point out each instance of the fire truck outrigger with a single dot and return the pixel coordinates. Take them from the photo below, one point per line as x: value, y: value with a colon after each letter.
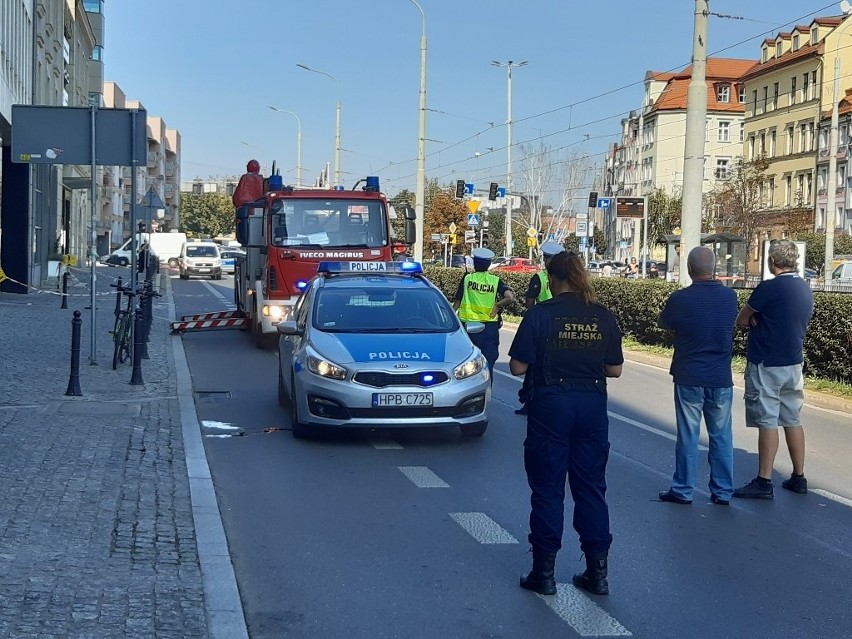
x: 288, y: 232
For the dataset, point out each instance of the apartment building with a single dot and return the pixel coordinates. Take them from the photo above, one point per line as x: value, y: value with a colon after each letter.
x: 46, y: 58
x: 786, y: 101
x: 843, y: 189
x: 651, y: 153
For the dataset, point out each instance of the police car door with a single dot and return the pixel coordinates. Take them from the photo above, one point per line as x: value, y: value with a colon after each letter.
x: 290, y: 346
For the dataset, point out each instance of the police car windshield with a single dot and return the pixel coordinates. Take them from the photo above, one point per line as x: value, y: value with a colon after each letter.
x: 383, y: 310
x: 334, y: 223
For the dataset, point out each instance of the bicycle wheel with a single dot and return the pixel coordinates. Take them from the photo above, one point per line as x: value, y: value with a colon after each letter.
x: 126, y: 337
x: 117, y: 337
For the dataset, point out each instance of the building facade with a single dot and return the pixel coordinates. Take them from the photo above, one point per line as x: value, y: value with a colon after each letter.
x: 650, y: 154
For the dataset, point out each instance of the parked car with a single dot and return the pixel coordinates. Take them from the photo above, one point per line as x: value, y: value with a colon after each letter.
x: 462, y: 261
x: 811, y: 274
x: 518, y: 265
x: 229, y: 258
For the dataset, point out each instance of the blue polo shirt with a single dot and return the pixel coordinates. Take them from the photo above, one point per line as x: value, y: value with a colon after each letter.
x: 702, y: 318
x: 784, y: 306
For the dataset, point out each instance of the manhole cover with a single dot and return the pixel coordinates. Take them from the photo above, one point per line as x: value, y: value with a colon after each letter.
x: 216, y: 394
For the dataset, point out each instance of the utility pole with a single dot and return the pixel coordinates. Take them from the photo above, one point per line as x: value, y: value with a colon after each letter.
x: 420, y: 188
x: 693, y: 162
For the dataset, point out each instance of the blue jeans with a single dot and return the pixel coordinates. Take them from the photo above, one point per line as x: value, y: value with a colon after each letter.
x: 568, y: 436
x: 715, y: 404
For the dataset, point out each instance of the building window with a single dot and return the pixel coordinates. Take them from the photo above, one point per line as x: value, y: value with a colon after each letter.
x: 800, y: 189
x: 742, y: 94
x: 97, y: 53
x: 772, y: 143
x: 779, y: 48
x: 754, y: 100
x: 793, y: 90
x: 763, y: 145
x: 766, y: 54
x: 707, y: 130
x: 751, y: 147
x: 814, y: 35
x: 93, y: 6
x: 823, y: 140
x: 724, y: 131
x: 788, y: 189
x: 806, y: 90
x: 723, y: 93
x: 742, y: 131
x: 809, y: 183
x: 765, y: 98
x: 813, y: 87
x: 790, y: 148
x: 775, y: 96
x: 722, y: 167
x: 772, y: 191
x: 198, y: 188
x: 796, y: 42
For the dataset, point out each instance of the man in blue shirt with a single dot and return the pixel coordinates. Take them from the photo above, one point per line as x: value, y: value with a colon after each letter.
x: 777, y: 315
x: 702, y: 318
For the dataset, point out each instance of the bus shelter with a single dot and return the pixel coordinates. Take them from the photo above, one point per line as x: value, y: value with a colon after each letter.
x: 729, y: 249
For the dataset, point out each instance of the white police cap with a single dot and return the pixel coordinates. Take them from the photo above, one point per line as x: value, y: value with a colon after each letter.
x: 483, y: 254
x: 551, y: 248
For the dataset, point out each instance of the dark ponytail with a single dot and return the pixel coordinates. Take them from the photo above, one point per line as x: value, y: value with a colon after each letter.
x: 568, y: 268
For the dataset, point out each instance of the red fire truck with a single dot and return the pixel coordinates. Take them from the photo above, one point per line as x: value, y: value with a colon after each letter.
x: 287, y: 232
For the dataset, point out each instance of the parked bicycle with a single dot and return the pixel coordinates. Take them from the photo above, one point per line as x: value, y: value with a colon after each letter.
x: 122, y: 332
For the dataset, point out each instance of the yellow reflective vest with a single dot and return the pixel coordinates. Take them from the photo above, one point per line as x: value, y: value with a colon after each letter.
x: 478, y: 298
x: 544, y: 293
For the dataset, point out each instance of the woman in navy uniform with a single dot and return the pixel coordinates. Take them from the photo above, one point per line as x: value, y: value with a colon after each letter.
x: 570, y: 344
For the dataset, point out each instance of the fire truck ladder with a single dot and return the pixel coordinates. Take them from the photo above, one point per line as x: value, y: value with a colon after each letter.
x: 210, y: 321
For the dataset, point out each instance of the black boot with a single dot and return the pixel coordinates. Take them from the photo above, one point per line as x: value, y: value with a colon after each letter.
x: 593, y: 579
x: 541, y: 579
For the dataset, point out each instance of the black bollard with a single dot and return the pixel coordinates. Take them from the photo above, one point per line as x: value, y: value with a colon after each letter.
x: 74, y: 379
x: 64, y: 290
x: 118, y: 298
x: 136, y: 379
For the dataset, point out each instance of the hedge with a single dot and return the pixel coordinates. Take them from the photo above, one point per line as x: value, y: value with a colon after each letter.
x: 636, y: 305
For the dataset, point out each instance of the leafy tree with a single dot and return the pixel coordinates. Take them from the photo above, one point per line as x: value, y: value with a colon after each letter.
x: 664, y: 215
x: 735, y: 203
x: 206, y: 214
x: 443, y: 210
x: 815, y: 248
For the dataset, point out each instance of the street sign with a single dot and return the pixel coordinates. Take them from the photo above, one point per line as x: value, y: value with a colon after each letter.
x: 630, y: 207
x: 604, y: 202
x: 472, y: 219
x: 501, y: 191
x: 584, y: 241
x: 473, y: 205
x: 582, y: 228
x: 453, y: 227
x: 152, y: 200
x: 551, y: 237
x: 531, y: 241
x: 532, y: 232
x: 436, y: 237
x: 469, y: 236
x: 468, y: 188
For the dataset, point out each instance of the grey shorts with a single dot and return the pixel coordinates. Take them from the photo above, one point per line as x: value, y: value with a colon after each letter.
x: 774, y: 395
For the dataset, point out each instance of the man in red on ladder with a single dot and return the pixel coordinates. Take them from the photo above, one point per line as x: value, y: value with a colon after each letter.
x: 250, y: 186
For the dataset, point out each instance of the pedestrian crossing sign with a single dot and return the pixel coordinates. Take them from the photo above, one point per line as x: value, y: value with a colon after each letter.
x: 473, y: 219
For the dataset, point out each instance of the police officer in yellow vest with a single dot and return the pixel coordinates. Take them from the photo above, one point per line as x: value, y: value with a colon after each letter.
x: 481, y: 297
x: 538, y: 291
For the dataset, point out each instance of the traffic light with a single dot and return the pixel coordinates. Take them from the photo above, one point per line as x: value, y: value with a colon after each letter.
x: 492, y: 191
x: 593, y: 200
x: 460, y: 189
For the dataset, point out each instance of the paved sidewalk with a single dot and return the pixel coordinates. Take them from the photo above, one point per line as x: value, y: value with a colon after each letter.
x: 103, y: 531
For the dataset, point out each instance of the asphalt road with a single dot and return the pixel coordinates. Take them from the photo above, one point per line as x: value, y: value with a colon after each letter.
x: 423, y: 533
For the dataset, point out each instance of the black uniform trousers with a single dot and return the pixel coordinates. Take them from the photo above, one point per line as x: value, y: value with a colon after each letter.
x: 488, y: 341
x: 568, y: 435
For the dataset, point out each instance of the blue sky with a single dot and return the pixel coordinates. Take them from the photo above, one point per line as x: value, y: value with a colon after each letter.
x: 210, y: 69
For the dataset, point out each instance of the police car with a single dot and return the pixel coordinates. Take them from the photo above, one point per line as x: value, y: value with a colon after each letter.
x: 376, y: 345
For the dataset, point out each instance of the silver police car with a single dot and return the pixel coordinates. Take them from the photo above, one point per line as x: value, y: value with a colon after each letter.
x: 376, y: 345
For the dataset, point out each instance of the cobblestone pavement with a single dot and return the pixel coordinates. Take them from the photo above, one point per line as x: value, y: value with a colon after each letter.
x: 97, y: 537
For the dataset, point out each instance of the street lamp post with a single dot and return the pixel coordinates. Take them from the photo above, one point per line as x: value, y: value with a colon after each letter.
x: 298, y: 145
x: 420, y: 189
x: 831, y: 196
x: 337, y: 128
x: 509, y: 65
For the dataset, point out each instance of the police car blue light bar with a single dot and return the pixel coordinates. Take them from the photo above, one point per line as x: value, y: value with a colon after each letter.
x: 370, y: 267
x: 301, y: 285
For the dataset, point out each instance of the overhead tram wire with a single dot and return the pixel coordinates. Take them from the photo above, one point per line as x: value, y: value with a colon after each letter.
x: 616, y: 90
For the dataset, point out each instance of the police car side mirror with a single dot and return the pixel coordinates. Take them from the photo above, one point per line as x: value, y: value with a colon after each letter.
x: 289, y: 327
x: 474, y: 327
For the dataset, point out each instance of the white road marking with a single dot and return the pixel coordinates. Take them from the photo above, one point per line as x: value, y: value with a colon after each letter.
x: 622, y: 418
x: 832, y: 496
x: 484, y: 529
x: 385, y: 444
x: 422, y: 477
x: 219, y: 425
x: 215, y: 290
x: 583, y: 615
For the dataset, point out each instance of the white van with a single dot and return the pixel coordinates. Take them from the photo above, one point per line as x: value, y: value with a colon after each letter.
x: 200, y: 258
x: 166, y: 245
